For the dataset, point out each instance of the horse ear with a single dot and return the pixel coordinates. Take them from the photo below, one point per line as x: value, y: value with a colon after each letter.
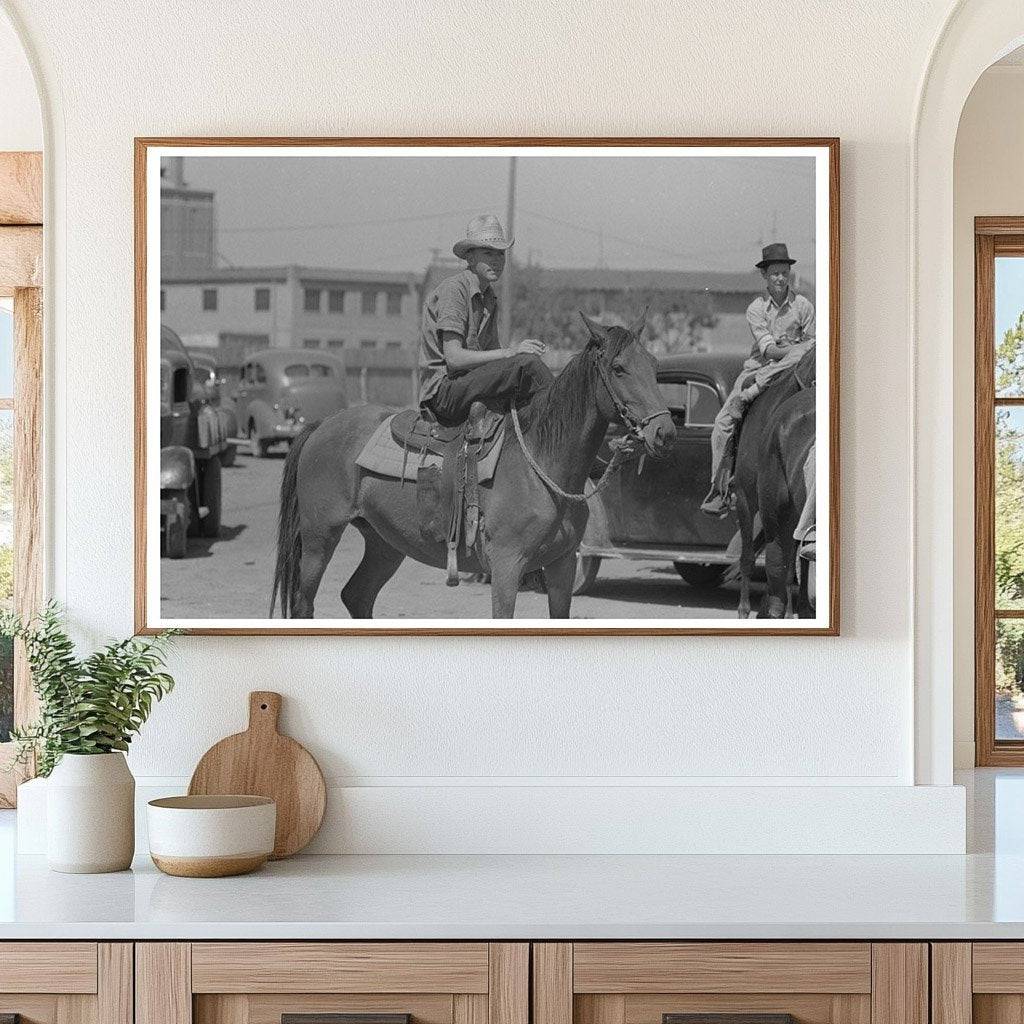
x: 598, y: 333
x: 636, y: 328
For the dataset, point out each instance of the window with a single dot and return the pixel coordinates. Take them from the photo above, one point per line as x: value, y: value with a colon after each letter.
x: 368, y: 343
x: 310, y: 342
x: 393, y: 346
x: 311, y: 300
x: 369, y: 303
x: 702, y: 405
x: 261, y: 299
x: 163, y: 299
x: 209, y: 300
x: 297, y: 371
x: 321, y: 370
x: 335, y: 342
x: 999, y: 491
x: 394, y: 303
x: 336, y: 300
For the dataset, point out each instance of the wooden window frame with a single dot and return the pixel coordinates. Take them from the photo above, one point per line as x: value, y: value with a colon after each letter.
x: 21, y: 277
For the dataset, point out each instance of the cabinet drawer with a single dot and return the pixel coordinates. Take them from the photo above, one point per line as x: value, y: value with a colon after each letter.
x: 736, y: 982
x: 48, y: 967
x: 261, y: 982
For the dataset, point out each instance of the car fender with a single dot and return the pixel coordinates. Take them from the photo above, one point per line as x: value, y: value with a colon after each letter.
x: 177, y: 468
x: 263, y: 416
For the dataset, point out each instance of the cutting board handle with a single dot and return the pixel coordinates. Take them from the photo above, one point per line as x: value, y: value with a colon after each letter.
x: 264, y: 710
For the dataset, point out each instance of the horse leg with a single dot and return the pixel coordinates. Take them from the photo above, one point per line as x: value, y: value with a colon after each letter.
x: 748, y: 553
x: 774, y: 605
x: 380, y: 562
x: 317, y: 549
x: 559, y: 576
x: 506, y: 575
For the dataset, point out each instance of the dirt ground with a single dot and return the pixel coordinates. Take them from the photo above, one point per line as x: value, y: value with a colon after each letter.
x: 231, y: 577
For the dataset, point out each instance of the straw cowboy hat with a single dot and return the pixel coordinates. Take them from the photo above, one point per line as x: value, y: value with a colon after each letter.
x: 483, y: 232
x: 774, y: 253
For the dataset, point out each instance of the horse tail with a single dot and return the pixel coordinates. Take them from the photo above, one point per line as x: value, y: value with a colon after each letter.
x: 289, y: 538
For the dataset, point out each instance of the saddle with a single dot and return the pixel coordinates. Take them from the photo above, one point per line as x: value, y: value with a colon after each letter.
x: 447, y: 496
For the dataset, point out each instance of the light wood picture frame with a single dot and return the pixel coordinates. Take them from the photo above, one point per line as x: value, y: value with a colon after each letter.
x: 176, y: 295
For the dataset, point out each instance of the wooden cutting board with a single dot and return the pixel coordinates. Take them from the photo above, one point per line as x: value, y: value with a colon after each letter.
x: 262, y: 762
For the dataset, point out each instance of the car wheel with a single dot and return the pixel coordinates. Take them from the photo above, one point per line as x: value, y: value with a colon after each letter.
x: 176, y: 534
x: 210, y: 492
x: 587, y: 568
x: 701, y: 575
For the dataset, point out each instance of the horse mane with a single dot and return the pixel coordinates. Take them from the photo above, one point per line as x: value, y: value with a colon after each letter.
x: 556, y: 412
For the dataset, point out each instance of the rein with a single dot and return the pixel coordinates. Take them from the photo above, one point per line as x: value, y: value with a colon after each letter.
x: 621, y: 447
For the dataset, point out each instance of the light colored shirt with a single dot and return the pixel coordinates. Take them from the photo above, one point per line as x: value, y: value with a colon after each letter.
x: 457, y: 304
x: 790, y: 321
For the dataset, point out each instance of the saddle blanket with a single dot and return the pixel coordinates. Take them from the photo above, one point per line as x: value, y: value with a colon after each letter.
x: 384, y: 455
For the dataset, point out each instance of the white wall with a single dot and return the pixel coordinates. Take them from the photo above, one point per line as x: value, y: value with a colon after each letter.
x: 21, y: 125
x: 447, y: 713
x: 988, y: 180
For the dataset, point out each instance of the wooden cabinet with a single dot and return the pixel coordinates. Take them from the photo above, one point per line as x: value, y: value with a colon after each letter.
x: 979, y: 982
x: 815, y: 982
x: 66, y: 982
x: 260, y: 982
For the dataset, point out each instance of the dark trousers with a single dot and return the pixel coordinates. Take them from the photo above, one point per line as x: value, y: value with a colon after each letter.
x: 517, y: 378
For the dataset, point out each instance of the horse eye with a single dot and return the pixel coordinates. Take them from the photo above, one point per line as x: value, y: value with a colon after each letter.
x: 618, y: 369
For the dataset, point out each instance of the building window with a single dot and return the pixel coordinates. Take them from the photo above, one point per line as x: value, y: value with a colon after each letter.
x: 394, y: 303
x: 311, y: 300
x: 392, y: 346
x: 999, y: 491
x: 369, y: 303
x: 336, y: 343
x: 163, y: 300
x: 311, y: 343
x: 210, y: 300
x: 368, y: 343
x: 261, y: 299
x: 336, y: 300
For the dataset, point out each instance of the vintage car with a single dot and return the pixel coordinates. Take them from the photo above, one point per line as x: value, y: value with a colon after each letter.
x: 280, y: 390
x: 191, y: 442
x: 655, y: 515
x: 210, y: 384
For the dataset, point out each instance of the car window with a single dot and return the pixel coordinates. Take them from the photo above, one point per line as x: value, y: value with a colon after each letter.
x: 676, y: 396
x: 702, y: 405
x: 297, y: 371
x: 260, y: 373
x: 320, y: 370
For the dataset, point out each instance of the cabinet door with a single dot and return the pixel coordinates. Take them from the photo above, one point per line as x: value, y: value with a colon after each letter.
x: 736, y: 982
x: 66, y: 982
x: 332, y: 983
x: 980, y: 982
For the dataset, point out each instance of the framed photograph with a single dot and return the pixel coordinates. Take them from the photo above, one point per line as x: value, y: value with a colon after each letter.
x: 487, y: 386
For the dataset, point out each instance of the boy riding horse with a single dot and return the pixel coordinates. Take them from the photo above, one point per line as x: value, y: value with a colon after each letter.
x: 782, y: 324
x: 461, y: 360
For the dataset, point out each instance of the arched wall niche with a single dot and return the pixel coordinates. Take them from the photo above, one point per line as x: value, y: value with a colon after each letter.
x: 975, y: 34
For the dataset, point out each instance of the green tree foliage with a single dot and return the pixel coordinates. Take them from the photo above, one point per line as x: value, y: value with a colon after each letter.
x: 1009, y: 510
x: 90, y: 705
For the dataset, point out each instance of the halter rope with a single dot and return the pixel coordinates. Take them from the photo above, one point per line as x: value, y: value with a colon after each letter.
x: 621, y: 447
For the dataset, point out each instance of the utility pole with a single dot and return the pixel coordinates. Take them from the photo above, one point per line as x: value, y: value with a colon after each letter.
x: 506, y: 279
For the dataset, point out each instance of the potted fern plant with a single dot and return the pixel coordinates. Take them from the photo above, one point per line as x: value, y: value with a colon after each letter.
x: 89, y: 710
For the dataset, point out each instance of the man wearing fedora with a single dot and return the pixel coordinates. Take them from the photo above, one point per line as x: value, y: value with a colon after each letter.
x: 782, y: 324
x: 461, y: 360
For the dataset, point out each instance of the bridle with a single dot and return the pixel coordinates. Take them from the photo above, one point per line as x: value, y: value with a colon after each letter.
x: 622, y: 447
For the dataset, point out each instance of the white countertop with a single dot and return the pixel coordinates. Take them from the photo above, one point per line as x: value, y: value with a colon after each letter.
x: 532, y: 897
x: 978, y: 896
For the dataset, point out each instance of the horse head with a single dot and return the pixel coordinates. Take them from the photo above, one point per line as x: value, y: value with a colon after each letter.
x: 630, y: 394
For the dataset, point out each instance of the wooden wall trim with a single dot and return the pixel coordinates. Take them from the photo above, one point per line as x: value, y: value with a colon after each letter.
x: 899, y: 983
x: 163, y: 983
x: 21, y: 188
x: 951, y: 983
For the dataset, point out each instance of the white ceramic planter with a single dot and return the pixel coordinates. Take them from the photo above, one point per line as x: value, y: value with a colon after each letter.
x: 90, y: 814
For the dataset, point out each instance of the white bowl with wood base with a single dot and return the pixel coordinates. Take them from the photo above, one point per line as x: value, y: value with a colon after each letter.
x: 211, y: 836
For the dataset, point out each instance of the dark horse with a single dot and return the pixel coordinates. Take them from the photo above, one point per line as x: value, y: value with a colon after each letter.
x: 752, y: 461
x: 526, y: 525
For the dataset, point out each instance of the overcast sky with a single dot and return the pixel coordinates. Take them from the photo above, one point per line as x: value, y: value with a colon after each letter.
x: 670, y: 213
